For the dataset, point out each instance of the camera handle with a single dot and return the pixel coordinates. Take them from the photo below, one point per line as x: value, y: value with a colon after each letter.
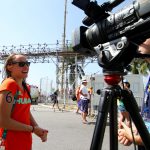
x: 108, y: 104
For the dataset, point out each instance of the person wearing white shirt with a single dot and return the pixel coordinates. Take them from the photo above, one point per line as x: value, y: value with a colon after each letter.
x: 84, y: 95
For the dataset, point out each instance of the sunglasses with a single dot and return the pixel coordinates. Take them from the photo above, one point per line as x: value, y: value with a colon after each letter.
x: 22, y: 63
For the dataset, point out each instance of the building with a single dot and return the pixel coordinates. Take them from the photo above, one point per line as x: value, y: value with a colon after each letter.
x: 136, y: 82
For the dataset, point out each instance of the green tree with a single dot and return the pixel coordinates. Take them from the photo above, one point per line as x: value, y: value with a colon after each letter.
x: 140, y: 66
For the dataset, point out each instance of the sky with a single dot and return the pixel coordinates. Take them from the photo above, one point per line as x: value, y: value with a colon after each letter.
x: 40, y: 21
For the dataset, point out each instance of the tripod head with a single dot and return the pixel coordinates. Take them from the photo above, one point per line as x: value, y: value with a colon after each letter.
x: 114, y: 56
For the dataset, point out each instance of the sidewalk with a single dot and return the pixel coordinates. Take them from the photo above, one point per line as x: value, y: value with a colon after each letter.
x: 67, y: 107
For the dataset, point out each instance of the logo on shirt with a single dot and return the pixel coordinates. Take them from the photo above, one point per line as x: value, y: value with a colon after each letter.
x: 19, y: 99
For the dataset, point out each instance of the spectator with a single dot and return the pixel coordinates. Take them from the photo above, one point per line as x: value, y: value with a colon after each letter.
x: 84, y: 95
x: 55, y: 100
x: 90, y: 91
x: 123, y: 113
x: 78, y: 99
x: 16, y: 121
x: 124, y: 134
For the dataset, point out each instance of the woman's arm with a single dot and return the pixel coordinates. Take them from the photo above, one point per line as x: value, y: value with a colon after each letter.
x: 32, y: 120
x: 6, y: 103
x: 42, y: 133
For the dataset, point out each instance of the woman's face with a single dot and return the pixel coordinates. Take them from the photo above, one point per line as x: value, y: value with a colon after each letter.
x: 144, y: 48
x: 19, y: 67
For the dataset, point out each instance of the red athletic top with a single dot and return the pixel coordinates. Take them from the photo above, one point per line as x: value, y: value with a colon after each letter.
x: 18, y: 140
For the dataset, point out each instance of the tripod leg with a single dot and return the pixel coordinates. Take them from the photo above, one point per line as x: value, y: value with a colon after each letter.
x: 104, y: 106
x: 113, y: 125
x: 141, y: 148
x: 132, y: 107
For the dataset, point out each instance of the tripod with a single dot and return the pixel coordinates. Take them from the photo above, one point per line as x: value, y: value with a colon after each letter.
x: 108, y: 103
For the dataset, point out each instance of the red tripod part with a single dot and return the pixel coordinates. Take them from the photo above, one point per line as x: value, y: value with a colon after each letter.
x: 112, y: 79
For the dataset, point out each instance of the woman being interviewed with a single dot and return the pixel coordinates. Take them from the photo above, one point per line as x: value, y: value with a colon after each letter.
x: 16, y: 121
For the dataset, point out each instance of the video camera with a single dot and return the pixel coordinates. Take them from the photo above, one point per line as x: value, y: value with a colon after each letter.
x: 114, y: 37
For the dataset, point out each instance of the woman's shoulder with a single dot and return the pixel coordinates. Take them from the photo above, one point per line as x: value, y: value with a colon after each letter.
x: 8, y: 83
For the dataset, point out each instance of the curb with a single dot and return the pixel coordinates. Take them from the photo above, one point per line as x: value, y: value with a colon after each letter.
x: 61, y: 107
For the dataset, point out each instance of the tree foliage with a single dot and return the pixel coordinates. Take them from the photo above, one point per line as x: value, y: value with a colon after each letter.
x: 140, y: 66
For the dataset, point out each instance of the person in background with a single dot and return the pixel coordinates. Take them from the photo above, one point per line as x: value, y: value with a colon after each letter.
x: 84, y: 95
x: 16, y: 121
x: 90, y: 91
x: 124, y: 134
x: 55, y: 100
x: 78, y: 99
x: 123, y: 113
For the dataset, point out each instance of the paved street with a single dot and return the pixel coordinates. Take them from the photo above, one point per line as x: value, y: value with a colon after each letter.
x: 66, y: 131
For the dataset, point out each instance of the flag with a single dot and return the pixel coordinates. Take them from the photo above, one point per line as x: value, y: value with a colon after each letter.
x: 147, y: 88
x: 146, y: 101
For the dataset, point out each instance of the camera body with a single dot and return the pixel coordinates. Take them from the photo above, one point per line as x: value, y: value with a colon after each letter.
x: 101, y: 27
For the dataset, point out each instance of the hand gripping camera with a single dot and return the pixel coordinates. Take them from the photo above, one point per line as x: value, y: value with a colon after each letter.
x: 114, y: 37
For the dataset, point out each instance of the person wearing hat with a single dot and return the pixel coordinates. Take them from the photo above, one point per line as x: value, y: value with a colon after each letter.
x: 84, y: 95
x: 123, y: 113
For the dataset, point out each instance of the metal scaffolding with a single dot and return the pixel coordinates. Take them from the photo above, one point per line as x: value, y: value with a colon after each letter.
x: 38, y: 53
x: 49, y: 53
